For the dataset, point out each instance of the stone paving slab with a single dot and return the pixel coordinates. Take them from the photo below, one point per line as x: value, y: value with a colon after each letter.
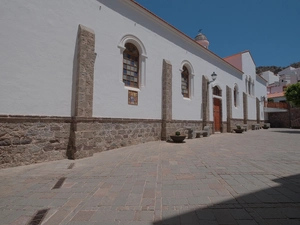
x: 250, y: 178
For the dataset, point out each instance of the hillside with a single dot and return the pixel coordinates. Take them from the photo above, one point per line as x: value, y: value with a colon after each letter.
x: 275, y: 69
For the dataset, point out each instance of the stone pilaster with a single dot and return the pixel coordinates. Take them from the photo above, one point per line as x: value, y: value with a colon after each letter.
x: 257, y: 111
x: 229, y: 107
x: 166, y: 98
x: 85, y: 72
x: 205, y: 101
x: 245, y: 107
x: 85, y: 55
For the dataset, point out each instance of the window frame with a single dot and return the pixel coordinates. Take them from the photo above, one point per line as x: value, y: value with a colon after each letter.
x: 131, y: 70
x: 235, y: 96
x: 185, y: 81
x: 129, y: 38
x: 217, y: 91
x: 190, y: 69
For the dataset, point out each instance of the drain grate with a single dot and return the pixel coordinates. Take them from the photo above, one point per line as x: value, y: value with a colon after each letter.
x: 39, y: 217
x: 59, y: 183
x: 71, y: 166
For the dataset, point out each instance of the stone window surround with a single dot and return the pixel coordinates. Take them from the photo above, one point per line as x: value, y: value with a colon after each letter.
x: 190, y: 68
x: 129, y: 38
x: 220, y: 89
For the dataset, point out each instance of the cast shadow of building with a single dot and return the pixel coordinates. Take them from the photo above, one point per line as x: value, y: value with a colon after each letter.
x: 279, y: 205
x: 291, y: 131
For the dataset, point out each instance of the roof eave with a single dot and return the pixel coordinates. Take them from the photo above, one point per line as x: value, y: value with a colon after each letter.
x: 178, y: 32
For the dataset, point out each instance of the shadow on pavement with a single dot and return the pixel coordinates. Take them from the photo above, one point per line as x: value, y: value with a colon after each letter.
x: 279, y: 205
x: 291, y: 131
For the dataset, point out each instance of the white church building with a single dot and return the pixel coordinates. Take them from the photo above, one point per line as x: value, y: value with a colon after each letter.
x: 79, y: 77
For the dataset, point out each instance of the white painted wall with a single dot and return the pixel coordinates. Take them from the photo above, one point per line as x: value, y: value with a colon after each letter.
x: 249, y: 70
x: 270, y: 77
x: 36, y: 57
x: 275, y: 88
x: 290, y: 74
x: 261, y: 91
x: 37, y: 52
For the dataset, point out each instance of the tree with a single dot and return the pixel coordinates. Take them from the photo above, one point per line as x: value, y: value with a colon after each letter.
x: 292, y: 94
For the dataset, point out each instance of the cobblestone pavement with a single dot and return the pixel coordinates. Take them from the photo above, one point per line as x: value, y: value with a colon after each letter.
x: 250, y: 178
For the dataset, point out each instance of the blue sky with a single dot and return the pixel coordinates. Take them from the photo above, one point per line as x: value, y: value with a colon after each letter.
x: 270, y: 29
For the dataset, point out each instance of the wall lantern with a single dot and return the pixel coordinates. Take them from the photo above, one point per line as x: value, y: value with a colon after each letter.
x: 214, y: 77
x: 262, y: 99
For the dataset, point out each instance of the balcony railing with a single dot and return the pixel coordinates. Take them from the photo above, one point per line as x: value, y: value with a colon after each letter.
x: 279, y: 105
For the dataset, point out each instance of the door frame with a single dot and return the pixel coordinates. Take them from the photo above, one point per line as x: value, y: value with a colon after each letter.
x: 220, y: 114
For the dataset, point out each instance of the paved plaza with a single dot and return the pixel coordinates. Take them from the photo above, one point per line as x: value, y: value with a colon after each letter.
x: 250, y: 178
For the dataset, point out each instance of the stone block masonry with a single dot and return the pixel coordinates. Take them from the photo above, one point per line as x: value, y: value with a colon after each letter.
x: 83, y: 108
x: 288, y: 119
x: 180, y: 125
x: 28, y: 140
x: 85, y: 50
x: 31, y: 139
x: 205, y: 101
x: 229, y: 108
x: 166, y: 99
x: 103, y: 134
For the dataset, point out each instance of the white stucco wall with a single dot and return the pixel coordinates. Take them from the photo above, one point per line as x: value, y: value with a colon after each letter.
x: 275, y: 88
x: 260, y: 92
x: 270, y: 77
x: 249, y: 74
x: 249, y: 70
x: 37, y: 53
x: 168, y: 45
x: 36, y: 57
x: 237, y: 112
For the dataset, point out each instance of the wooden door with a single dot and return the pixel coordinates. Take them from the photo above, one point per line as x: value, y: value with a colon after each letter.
x: 217, y: 114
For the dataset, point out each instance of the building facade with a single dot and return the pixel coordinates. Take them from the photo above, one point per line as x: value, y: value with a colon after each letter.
x: 80, y: 77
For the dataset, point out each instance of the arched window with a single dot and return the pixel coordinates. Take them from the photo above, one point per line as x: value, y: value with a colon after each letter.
x: 185, y: 80
x: 131, y: 66
x: 235, y: 96
x: 217, y: 91
x: 249, y: 86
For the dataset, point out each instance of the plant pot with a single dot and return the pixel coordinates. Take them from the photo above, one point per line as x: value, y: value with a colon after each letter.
x: 178, y: 138
x: 239, y: 131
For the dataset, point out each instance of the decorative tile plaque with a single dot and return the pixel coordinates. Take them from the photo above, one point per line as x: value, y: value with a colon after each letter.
x: 132, y: 97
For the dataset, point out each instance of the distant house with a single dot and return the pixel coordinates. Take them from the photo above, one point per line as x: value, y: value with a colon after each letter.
x: 277, y: 110
x: 278, y: 83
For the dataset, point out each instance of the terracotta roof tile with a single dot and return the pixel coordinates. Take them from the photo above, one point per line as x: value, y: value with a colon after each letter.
x: 276, y: 95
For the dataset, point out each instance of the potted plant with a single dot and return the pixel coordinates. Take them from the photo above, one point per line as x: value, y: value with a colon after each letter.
x: 265, y: 126
x: 178, y: 138
x: 238, y: 129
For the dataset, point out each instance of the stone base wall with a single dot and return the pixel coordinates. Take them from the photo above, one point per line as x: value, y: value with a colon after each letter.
x: 97, y: 135
x: 180, y: 125
x: 241, y: 122
x: 295, y: 117
x: 28, y: 140
x: 285, y: 119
